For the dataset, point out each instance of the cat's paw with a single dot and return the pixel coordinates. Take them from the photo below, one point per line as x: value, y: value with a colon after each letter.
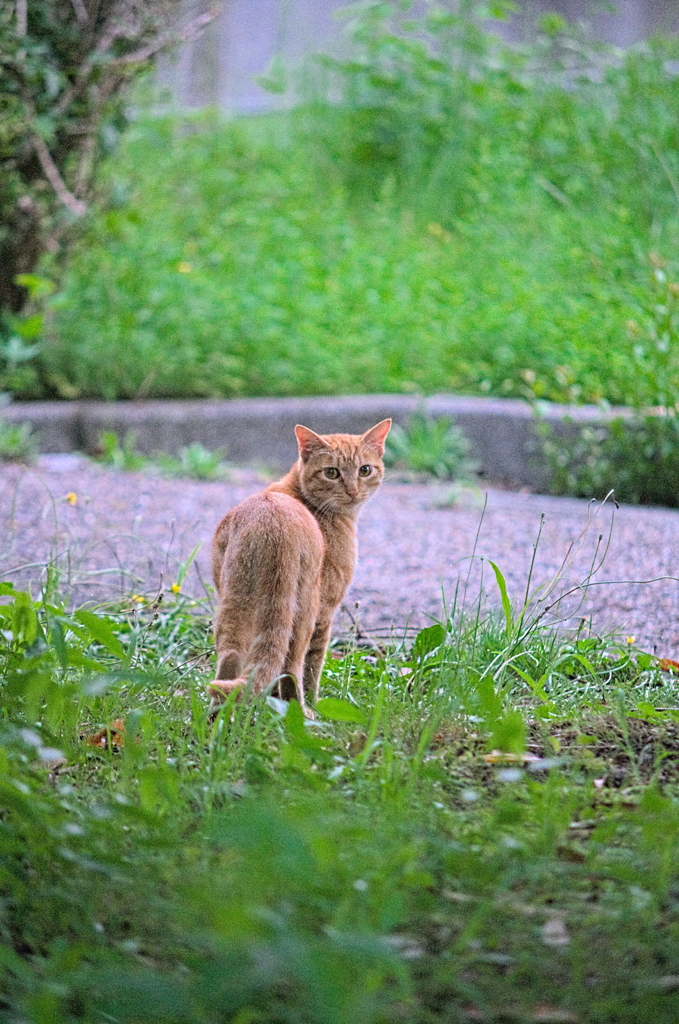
x: 309, y: 713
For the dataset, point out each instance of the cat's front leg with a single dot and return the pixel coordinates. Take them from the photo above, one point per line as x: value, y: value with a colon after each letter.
x: 315, y: 655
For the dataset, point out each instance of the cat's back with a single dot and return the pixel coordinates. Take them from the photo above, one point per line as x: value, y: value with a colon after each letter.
x: 270, y: 510
x: 266, y: 529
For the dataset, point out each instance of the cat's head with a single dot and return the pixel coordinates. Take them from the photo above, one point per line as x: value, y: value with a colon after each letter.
x: 337, y: 472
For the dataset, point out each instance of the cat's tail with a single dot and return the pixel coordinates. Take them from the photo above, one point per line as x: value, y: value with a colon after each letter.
x: 221, y: 689
x: 255, y: 621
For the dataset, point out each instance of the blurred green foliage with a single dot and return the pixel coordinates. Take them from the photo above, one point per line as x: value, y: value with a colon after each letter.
x: 636, y: 456
x: 401, y: 859
x: 193, y: 461
x: 438, y: 212
x: 65, y: 69
x: 17, y: 442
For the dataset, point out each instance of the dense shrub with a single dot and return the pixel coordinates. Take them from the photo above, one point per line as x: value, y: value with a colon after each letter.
x: 65, y: 69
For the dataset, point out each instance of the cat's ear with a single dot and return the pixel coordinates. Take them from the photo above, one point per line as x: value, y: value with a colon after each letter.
x: 308, y: 441
x: 377, y: 435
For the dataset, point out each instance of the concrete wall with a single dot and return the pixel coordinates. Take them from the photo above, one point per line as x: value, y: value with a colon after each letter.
x: 221, y: 68
x: 503, y: 432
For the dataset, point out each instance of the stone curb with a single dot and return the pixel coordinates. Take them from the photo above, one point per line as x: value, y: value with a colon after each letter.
x: 502, y: 432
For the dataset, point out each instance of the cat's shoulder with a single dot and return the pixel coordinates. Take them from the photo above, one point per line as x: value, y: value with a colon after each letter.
x: 273, y: 506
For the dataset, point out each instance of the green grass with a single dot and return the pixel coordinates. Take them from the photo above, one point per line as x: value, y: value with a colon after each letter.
x: 381, y: 864
x: 17, y: 442
x: 193, y: 461
x: 461, y: 222
x: 429, y: 447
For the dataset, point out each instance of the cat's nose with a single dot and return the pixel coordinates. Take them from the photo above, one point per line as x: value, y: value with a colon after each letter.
x: 351, y: 489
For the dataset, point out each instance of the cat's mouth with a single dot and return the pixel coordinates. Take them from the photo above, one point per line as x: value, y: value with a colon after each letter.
x: 352, y: 502
x: 338, y: 503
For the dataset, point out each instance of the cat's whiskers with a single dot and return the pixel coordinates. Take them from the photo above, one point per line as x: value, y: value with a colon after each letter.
x: 325, y: 508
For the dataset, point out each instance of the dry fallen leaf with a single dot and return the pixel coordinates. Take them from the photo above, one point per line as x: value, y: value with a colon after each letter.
x: 456, y: 897
x: 474, y: 1013
x: 667, y: 983
x: 112, y: 733
x: 570, y: 853
x: 554, y: 932
x: 542, y: 1014
x: 545, y: 1014
x: 502, y: 757
x: 668, y: 665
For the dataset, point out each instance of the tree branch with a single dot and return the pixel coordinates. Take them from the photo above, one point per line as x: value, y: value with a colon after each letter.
x: 116, y: 30
x: 64, y: 102
x: 71, y: 202
x: 22, y: 17
x: 194, y: 28
x: 80, y: 11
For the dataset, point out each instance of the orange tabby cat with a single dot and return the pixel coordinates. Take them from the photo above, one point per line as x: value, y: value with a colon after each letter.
x: 282, y: 561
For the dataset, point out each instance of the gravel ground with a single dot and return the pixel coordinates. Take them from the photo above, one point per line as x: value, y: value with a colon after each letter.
x: 123, y: 533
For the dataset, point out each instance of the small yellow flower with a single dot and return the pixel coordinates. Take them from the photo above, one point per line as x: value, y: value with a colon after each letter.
x: 630, y: 640
x: 72, y: 498
x: 184, y: 267
x: 175, y: 588
x: 137, y: 598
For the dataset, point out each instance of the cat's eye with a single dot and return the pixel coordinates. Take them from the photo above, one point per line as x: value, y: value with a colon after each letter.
x: 365, y: 471
x: 332, y: 473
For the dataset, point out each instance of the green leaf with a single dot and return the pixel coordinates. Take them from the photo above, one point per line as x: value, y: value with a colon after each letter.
x: 502, y: 10
x: 24, y: 619
x: 30, y: 327
x: 58, y: 642
x: 428, y: 639
x: 340, y: 710
x: 650, y: 714
x: 295, y: 726
x: 552, y: 24
x: 76, y: 628
x: 37, y: 286
x: 506, y: 603
x: 77, y: 659
x: 294, y: 720
x: 536, y: 685
x: 509, y: 734
x: 490, y: 700
x: 275, y: 79
x: 101, y: 631
x: 187, y: 564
